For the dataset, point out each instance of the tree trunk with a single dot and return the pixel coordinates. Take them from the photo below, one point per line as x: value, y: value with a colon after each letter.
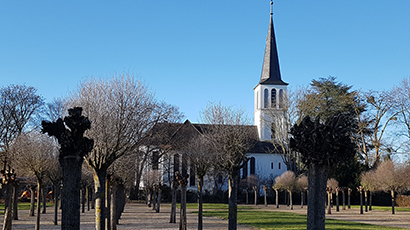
x: 255, y: 193
x: 233, y: 194
x: 200, y: 219
x: 99, y: 196
x: 158, y: 199
x: 108, y: 203
x: 329, y: 203
x: 290, y: 199
x: 361, y: 202
x: 246, y: 196
x: 277, y: 198
x: 83, y: 197
x: 182, y: 221
x: 8, y: 204
x: 114, y: 203
x: 348, y: 197
x: 32, y: 201
x: 316, y: 197
x: 343, y: 200
x: 174, y: 202
x: 370, y: 201
x: 393, y: 202
x: 15, y: 200
x: 337, y: 200
x: 44, y: 201
x: 265, y: 195
x: 302, y: 199
x: 39, y: 192
x: 56, y: 192
x: 70, y: 194
x: 365, y: 200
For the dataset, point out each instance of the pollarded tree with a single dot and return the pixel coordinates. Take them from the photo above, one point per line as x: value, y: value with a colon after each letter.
x: 302, y: 185
x: 332, y: 186
x: 123, y: 111
x: 392, y: 178
x: 229, y: 133
x: 369, y: 182
x: 287, y: 182
x: 35, y: 152
x: 322, y: 145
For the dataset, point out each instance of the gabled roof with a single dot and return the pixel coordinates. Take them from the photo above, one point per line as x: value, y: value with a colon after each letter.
x: 175, y: 135
x: 270, y: 68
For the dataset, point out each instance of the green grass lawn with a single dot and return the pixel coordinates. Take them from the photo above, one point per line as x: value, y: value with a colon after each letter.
x: 385, y: 208
x: 278, y: 220
x: 23, y: 206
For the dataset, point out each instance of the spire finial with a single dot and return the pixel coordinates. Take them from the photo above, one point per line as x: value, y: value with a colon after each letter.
x: 271, y: 7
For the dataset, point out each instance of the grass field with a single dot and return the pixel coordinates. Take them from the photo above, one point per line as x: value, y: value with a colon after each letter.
x: 282, y: 220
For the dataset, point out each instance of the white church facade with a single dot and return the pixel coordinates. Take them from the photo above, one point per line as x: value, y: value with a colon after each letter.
x: 264, y: 161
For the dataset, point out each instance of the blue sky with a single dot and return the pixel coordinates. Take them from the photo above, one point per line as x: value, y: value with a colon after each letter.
x: 192, y: 52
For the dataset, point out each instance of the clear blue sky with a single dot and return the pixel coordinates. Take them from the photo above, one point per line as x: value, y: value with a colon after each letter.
x: 193, y: 52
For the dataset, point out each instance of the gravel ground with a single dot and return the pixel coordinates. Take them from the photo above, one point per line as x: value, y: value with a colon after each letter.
x: 139, y: 216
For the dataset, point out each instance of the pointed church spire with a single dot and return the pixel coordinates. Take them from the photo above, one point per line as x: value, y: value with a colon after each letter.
x: 270, y: 69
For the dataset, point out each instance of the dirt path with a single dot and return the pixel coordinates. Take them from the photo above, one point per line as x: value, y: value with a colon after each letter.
x: 139, y: 216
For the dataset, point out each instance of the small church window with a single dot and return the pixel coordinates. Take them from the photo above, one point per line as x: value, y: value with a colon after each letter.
x: 279, y: 165
x: 271, y: 165
x: 252, y: 166
x: 273, y: 98
x: 265, y: 98
x: 245, y: 171
x: 281, y: 99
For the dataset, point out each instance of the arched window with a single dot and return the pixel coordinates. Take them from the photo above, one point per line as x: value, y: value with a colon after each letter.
x: 273, y: 98
x: 252, y: 166
x: 245, y: 171
x: 281, y: 99
x: 265, y: 98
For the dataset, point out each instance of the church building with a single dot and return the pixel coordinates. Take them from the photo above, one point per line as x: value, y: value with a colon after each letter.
x: 264, y: 161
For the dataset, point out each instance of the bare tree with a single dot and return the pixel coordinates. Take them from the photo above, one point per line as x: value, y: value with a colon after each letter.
x: 123, y: 111
x: 392, y: 178
x: 332, y: 186
x: 281, y: 122
x: 369, y: 182
x: 18, y: 105
x: 302, y: 185
x: 231, y: 140
x: 287, y: 182
x: 35, y: 152
x: 382, y: 111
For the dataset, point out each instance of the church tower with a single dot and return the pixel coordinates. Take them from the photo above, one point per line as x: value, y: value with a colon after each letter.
x: 271, y: 91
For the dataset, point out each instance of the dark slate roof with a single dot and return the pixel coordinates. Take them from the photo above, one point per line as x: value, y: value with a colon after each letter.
x: 270, y: 68
x: 175, y: 135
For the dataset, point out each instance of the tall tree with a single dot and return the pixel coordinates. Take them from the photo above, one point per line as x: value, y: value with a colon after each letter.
x: 322, y: 146
x: 123, y: 110
x: 231, y: 138
x: 18, y: 105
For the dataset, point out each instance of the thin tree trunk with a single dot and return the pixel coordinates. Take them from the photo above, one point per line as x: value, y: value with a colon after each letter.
x: 302, y: 198
x: 337, y: 200
x: 329, y: 201
x: 182, y: 221
x: 365, y: 200
x: 290, y: 199
x: 108, y: 203
x: 114, y: 203
x: 233, y: 195
x: 174, y: 202
x: 200, y: 211
x: 99, y: 196
x: 393, y: 203
x: 255, y: 193
x: 83, y: 197
x: 316, y: 197
x: 349, y: 190
x: 32, y: 201
x: 343, y: 200
x: 277, y: 198
x: 158, y: 199
x: 361, y: 201
x: 370, y: 201
x: 15, y: 199
x: 39, y: 192
x: 265, y: 189
x: 44, y: 201
x: 56, y: 192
